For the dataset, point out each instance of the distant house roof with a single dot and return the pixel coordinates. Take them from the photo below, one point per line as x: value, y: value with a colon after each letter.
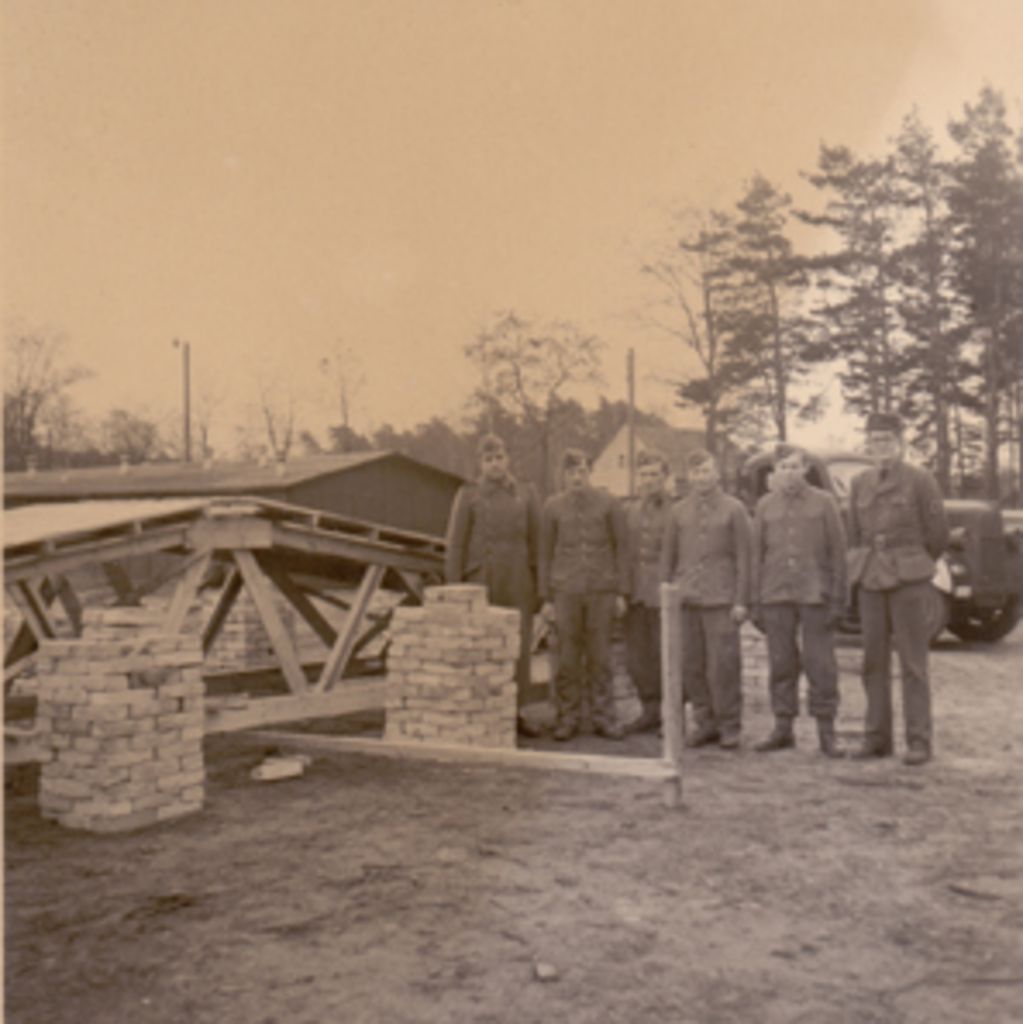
x: 153, y: 479
x: 671, y: 442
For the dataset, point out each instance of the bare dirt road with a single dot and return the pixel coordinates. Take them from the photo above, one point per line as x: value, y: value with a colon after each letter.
x: 788, y: 889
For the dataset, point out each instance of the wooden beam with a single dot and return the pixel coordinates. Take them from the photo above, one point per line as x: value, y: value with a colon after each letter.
x: 351, y: 549
x: 186, y: 592
x: 36, y: 563
x: 298, y: 600
x: 121, y: 583
x: 33, y: 607
x: 343, y: 647
x: 221, y: 608
x: 234, y: 715
x: 70, y: 603
x: 672, y: 711
x: 259, y: 588
x: 652, y: 768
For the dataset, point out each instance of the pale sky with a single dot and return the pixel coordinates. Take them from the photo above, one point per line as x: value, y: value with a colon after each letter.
x: 266, y: 177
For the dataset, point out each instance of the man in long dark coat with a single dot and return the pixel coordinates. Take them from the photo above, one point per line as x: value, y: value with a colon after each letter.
x: 492, y: 538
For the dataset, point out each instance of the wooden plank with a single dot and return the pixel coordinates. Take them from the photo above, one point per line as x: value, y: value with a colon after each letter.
x: 652, y: 768
x: 344, y: 646
x: 19, y: 567
x: 258, y: 585
x: 70, y: 603
x: 261, y: 711
x: 33, y: 607
x: 221, y: 608
x: 223, y: 533
x: 352, y: 549
x: 672, y: 710
x: 186, y: 592
x: 121, y: 583
x: 296, y: 596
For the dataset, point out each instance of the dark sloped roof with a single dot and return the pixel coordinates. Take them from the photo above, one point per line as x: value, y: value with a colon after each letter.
x: 671, y: 442
x: 180, y: 478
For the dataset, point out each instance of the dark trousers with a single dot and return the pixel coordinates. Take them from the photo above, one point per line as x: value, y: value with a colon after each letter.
x: 584, y: 655
x: 712, y: 668
x: 783, y: 623
x: 900, y: 615
x: 643, y: 653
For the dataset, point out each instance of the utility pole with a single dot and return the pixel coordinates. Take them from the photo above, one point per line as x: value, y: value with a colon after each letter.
x: 186, y: 379
x: 630, y: 372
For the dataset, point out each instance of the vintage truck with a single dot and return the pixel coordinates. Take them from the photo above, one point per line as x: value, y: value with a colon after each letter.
x: 979, y: 579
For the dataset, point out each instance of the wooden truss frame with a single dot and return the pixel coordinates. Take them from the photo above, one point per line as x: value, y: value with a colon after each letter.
x: 263, y: 547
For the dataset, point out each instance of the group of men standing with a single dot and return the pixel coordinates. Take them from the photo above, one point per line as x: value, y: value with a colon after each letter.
x: 586, y: 556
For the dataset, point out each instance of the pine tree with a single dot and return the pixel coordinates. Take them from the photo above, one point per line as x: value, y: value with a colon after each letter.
x: 986, y: 204
x: 769, y: 279
x: 858, y: 279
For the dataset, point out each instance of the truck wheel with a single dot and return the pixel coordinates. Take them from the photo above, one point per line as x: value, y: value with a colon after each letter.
x: 937, y: 613
x: 990, y: 627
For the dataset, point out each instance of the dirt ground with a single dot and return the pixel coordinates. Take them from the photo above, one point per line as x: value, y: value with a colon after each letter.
x: 788, y: 888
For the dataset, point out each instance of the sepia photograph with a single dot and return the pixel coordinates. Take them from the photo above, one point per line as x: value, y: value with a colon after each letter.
x: 513, y: 511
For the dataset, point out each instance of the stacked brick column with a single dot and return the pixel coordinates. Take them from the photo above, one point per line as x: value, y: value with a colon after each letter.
x: 451, y: 670
x: 122, y: 713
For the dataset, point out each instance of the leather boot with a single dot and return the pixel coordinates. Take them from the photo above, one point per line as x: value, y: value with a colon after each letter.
x: 781, y: 737
x: 826, y: 735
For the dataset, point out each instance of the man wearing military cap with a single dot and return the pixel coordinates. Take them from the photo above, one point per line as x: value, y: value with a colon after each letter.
x: 583, y: 568
x: 897, y: 529
x: 492, y: 538
x: 645, y: 518
x: 706, y: 552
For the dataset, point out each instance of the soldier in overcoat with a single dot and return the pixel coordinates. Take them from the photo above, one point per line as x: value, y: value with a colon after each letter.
x: 583, y: 573
x: 798, y: 585
x: 706, y: 552
x: 897, y: 529
x: 645, y: 517
x: 492, y: 538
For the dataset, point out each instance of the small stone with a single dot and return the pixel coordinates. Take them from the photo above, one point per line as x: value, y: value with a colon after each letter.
x: 545, y: 972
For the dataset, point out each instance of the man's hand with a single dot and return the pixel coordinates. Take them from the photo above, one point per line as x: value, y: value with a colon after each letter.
x: 547, y: 611
x: 621, y: 606
x: 739, y: 614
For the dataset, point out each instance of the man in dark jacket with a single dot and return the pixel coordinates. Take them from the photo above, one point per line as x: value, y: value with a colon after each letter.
x: 798, y: 582
x: 706, y: 553
x: 897, y: 529
x: 583, y: 566
x: 493, y: 532
x: 645, y: 517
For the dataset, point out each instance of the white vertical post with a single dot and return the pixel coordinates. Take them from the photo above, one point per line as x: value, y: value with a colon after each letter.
x: 672, y: 713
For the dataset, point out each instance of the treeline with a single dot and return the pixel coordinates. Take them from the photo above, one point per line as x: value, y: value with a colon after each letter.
x: 908, y: 286
x: 902, y: 277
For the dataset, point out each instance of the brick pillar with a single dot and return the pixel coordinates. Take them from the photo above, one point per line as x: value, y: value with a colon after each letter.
x: 451, y: 670
x: 122, y: 713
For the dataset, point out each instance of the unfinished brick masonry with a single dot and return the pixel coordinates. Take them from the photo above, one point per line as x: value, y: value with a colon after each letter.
x: 122, y: 712
x: 451, y: 670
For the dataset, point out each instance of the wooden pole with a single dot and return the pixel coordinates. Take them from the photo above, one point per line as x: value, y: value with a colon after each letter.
x: 672, y: 711
x: 630, y: 369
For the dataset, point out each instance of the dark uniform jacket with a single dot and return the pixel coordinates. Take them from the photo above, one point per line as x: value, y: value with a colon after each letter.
x: 493, y: 533
x: 707, y: 550
x: 646, y: 519
x: 798, y: 549
x: 897, y: 527
x: 583, y: 544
